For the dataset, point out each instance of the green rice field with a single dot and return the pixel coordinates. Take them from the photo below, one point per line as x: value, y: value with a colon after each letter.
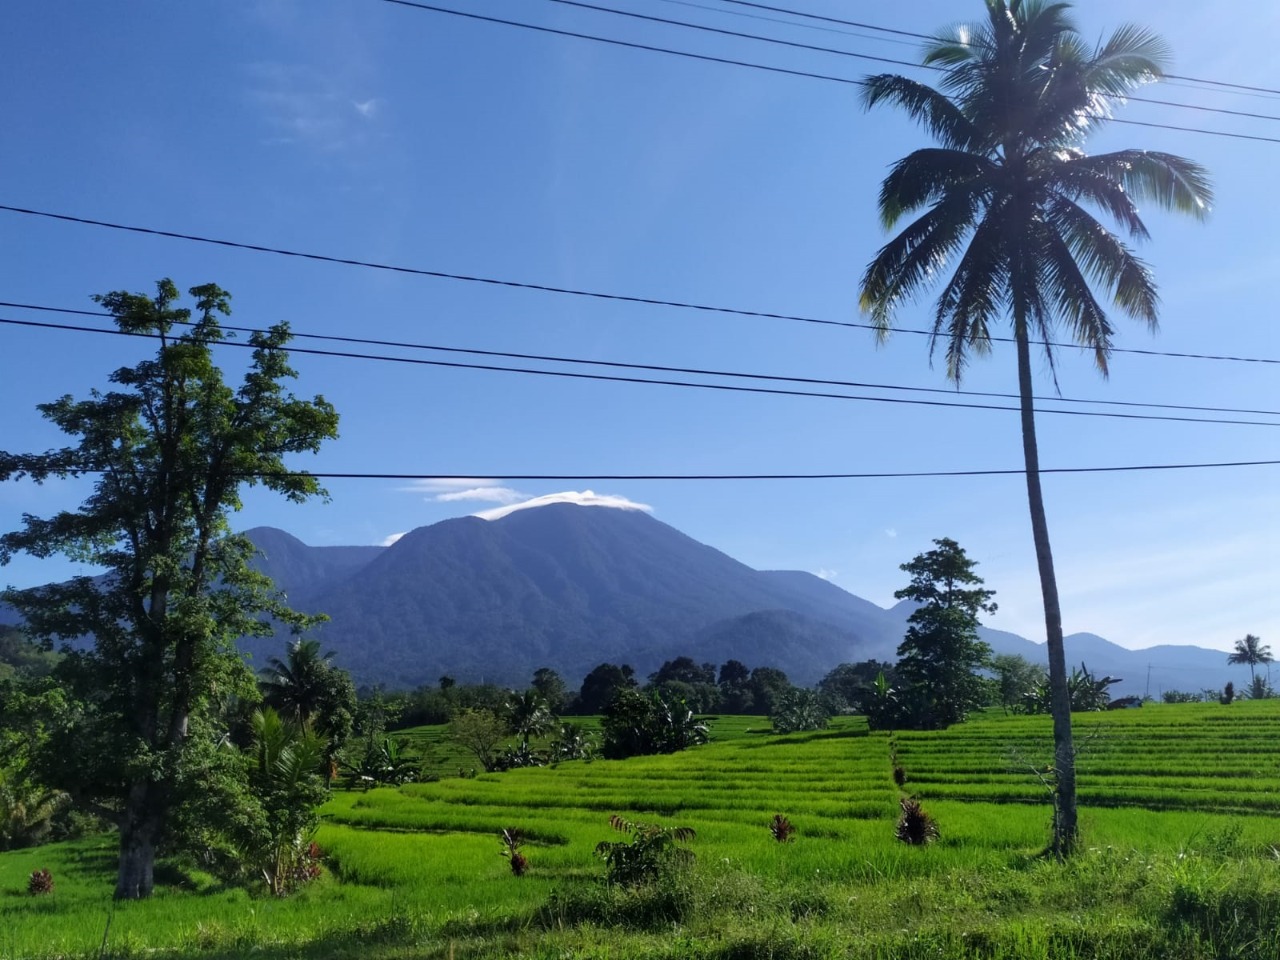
x: 1181, y: 855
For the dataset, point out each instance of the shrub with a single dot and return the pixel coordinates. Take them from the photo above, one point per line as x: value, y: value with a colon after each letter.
x: 653, y: 852
x: 781, y: 828
x: 40, y: 882
x: 636, y: 724
x: 915, y: 826
x: 1228, y: 693
x: 798, y: 710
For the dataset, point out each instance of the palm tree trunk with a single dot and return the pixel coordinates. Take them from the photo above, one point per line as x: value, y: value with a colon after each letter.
x: 1065, y: 829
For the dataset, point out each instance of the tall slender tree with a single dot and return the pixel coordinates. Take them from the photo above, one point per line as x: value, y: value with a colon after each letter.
x: 1006, y: 196
x: 1253, y: 651
x: 168, y: 450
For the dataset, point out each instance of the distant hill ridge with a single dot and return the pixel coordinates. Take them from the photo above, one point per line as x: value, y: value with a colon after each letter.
x: 569, y: 586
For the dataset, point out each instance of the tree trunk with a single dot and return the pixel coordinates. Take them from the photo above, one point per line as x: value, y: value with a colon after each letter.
x: 1065, y: 829
x: 139, y: 830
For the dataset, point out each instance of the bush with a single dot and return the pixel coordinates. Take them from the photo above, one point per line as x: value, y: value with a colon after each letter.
x: 798, y: 710
x: 653, y: 852
x: 636, y: 724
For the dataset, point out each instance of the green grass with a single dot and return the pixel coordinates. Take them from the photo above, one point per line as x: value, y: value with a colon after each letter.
x: 1179, y: 858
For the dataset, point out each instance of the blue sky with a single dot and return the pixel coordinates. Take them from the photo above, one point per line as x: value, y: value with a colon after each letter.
x: 366, y: 130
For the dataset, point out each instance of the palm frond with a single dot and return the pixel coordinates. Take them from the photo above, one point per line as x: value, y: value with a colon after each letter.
x: 1106, y: 260
x: 1073, y: 180
x: 942, y: 118
x: 972, y: 297
x: 926, y: 176
x: 912, y: 258
x: 1072, y: 296
x: 1131, y: 56
x: 1171, y: 181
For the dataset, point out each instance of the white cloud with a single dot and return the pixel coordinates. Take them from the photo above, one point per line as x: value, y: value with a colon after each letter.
x: 825, y: 574
x: 456, y: 489
x: 487, y: 494
x: 388, y: 541
x: 891, y: 533
x: 306, y: 107
x: 584, y: 498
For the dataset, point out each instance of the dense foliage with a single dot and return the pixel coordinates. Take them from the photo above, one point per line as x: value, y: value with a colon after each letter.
x: 169, y: 450
x: 941, y: 655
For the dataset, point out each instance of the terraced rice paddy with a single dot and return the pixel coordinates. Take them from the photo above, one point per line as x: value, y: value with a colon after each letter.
x: 1178, y: 807
x: 1203, y: 757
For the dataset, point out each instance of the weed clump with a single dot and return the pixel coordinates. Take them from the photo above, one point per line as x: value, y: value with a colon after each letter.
x: 915, y: 826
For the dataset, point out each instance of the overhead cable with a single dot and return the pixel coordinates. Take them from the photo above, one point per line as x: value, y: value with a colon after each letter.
x: 569, y: 291
x: 615, y: 378
x: 662, y: 368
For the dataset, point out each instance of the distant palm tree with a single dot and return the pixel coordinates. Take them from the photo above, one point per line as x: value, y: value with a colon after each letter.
x: 297, y: 685
x: 1006, y: 194
x: 1253, y: 651
x: 528, y: 716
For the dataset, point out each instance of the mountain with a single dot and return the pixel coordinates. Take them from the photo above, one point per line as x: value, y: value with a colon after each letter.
x: 564, y: 586
x: 569, y: 587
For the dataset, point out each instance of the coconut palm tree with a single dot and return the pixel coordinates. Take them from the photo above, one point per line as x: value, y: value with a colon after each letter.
x: 528, y: 716
x: 1253, y: 651
x: 1006, y: 195
x: 297, y: 685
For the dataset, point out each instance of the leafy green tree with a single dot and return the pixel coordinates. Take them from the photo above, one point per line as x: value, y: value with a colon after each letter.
x: 1007, y: 194
x: 941, y: 653
x: 847, y: 685
x: 1015, y: 676
x: 170, y: 449
x: 22, y: 657
x: 637, y: 724
x: 1253, y: 651
x: 735, y: 687
x: 481, y: 733
x: 550, y: 686
x: 601, y: 685
x: 685, y: 670
x: 768, y: 685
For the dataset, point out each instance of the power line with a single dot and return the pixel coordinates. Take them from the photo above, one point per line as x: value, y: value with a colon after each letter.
x: 776, y: 476
x: 615, y: 378
x: 414, y: 5
x: 569, y: 291
x: 660, y: 368
x: 929, y: 37
x: 666, y: 21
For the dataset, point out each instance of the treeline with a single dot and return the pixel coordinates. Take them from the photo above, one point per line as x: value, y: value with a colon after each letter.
x: 731, y: 688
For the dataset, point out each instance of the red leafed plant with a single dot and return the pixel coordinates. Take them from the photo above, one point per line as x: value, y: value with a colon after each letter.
x: 512, y: 838
x: 782, y: 829
x: 40, y: 882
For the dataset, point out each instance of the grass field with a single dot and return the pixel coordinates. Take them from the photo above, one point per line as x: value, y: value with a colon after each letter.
x: 1178, y: 816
